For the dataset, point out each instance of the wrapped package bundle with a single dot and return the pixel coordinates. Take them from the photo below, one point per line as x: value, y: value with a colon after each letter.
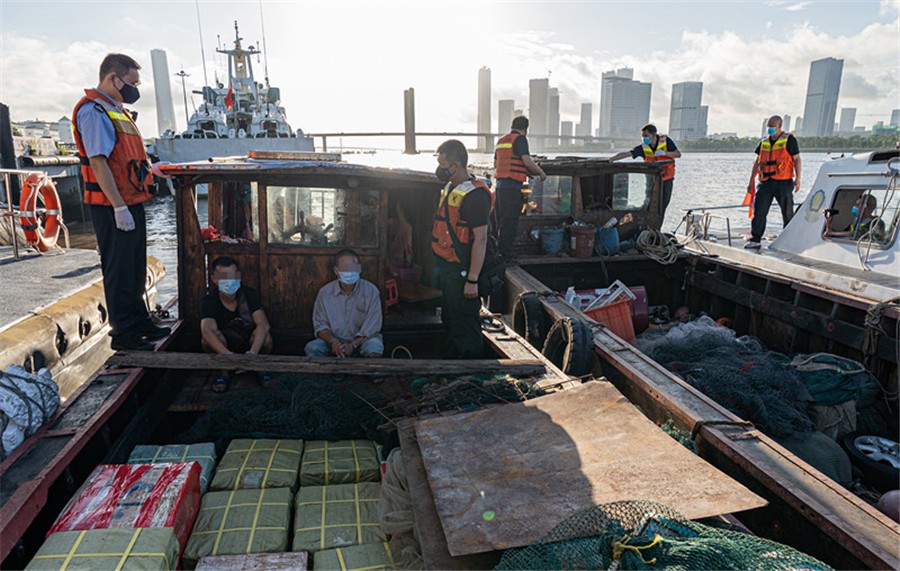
x: 203, y: 454
x: 142, y: 549
x: 255, y: 562
x: 341, y: 462
x: 27, y: 401
x: 356, y: 558
x: 336, y: 516
x: 258, y: 464
x: 240, y: 522
x: 136, y: 495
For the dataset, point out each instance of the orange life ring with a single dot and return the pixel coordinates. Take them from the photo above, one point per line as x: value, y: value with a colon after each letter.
x: 41, y: 239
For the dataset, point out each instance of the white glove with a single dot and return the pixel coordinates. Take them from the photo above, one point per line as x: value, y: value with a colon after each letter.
x: 154, y: 168
x: 124, y: 219
x: 660, y: 153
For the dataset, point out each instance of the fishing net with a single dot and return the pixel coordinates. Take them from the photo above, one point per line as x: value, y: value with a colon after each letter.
x: 738, y: 372
x: 647, y: 535
x: 834, y: 380
x: 318, y: 407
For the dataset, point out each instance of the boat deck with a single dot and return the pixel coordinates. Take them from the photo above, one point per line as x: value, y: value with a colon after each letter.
x: 35, y: 280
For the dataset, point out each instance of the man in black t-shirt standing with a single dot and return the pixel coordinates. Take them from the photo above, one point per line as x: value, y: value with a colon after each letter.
x: 232, y: 319
x: 459, y: 241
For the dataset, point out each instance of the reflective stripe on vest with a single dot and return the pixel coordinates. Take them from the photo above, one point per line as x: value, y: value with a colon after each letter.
x: 650, y: 157
x: 775, y: 162
x: 506, y: 163
x: 441, y: 241
x: 127, y: 161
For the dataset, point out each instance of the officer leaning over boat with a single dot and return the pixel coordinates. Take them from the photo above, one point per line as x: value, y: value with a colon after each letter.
x: 777, y: 161
x: 459, y: 241
x: 656, y: 147
x: 512, y: 163
x: 117, y: 181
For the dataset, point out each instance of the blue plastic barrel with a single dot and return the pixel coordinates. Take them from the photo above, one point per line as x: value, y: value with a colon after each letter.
x: 607, y: 242
x: 552, y: 240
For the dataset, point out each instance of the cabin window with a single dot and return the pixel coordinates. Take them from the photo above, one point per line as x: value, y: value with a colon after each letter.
x: 878, y: 221
x: 632, y: 191
x: 550, y: 197
x: 322, y: 216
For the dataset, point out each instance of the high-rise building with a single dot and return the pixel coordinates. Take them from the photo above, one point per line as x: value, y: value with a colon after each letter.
x: 505, y: 110
x: 687, y: 121
x: 583, y: 129
x: 165, y: 107
x: 485, y: 143
x: 822, y: 97
x: 553, y: 116
x: 624, y: 104
x: 764, y: 131
x: 704, y: 121
x: 895, y: 117
x: 537, y: 111
x: 799, y: 128
x: 565, y: 131
x: 786, y: 123
x: 848, y: 120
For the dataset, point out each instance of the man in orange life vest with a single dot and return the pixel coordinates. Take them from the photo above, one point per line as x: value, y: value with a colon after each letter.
x: 117, y: 181
x: 512, y: 163
x: 459, y: 241
x: 655, y: 147
x: 777, y: 161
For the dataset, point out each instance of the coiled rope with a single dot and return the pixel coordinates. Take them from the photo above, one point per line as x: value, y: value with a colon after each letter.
x: 658, y: 246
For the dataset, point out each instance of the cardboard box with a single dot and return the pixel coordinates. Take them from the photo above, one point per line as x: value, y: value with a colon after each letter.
x: 136, y: 496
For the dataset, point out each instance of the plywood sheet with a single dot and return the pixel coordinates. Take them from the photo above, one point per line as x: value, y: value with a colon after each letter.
x: 503, y: 477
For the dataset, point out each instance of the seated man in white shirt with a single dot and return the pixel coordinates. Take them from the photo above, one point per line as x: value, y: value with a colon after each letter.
x: 347, y: 314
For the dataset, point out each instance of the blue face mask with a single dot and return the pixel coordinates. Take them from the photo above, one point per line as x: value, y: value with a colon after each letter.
x: 771, y: 131
x: 854, y: 211
x: 229, y: 287
x: 646, y: 140
x: 348, y: 278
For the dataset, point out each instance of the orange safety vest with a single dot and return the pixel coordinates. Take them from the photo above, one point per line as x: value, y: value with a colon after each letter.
x: 128, y: 160
x: 775, y: 161
x: 448, y: 215
x: 650, y: 157
x: 506, y: 163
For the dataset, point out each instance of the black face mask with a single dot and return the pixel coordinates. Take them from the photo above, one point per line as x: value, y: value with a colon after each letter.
x: 442, y: 174
x: 129, y: 93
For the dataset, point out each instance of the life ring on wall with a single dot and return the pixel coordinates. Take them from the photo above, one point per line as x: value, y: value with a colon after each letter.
x: 40, y: 231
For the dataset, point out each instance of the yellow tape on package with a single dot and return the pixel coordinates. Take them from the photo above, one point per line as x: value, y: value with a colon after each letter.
x: 340, y: 462
x: 340, y: 515
x: 258, y: 464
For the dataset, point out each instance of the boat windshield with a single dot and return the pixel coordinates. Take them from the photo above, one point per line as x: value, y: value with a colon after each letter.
x: 315, y: 216
x: 549, y: 197
x: 877, y: 218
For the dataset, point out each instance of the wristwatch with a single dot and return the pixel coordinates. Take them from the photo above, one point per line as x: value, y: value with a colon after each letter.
x: 468, y: 281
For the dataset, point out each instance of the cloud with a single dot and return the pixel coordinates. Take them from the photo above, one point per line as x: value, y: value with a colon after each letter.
x: 889, y: 7
x: 797, y: 7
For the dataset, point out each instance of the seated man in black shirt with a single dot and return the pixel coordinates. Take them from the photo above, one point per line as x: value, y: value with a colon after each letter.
x: 232, y: 319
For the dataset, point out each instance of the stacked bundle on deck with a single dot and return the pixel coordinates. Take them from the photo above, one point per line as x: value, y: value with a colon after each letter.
x: 147, y: 549
x: 203, y: 453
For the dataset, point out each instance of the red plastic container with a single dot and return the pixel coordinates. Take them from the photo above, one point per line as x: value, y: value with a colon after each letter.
x: 136, y: 495
x: 640, y: 309
x: 583, y: 241
x: 616, y: 317
x: 409, y: 273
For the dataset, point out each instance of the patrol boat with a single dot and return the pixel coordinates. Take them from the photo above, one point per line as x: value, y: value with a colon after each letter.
x: 234, y: 118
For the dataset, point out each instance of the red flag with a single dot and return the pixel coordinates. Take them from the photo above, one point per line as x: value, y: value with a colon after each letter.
x: 228, y: 100
x: 748, y: 200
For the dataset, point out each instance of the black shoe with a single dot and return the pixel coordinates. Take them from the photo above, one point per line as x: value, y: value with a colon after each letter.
x: 130, y: 342
x: 153, y: 332
x: 751, y: 245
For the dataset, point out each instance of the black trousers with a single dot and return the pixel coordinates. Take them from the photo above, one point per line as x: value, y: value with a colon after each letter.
x: 509, y: 208
x: 782, y: 191
x: 667, y: 192
x: 123, y: 260
x: 459, y: 314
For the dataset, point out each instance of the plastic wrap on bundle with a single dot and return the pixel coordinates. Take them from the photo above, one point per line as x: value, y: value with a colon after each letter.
x: 27, y: 401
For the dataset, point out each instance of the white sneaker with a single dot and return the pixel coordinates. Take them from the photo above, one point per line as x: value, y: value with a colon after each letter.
x: 752, y: 245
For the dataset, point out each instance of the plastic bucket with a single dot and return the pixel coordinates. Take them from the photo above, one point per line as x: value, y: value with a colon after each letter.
x: 409, y: 272
x: 552, y: 240
x: 607, y: 241
x: 583, y: 241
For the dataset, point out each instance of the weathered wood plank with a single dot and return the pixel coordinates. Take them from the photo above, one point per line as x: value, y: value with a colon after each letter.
x: 428, y: 526
x: 324, y: 365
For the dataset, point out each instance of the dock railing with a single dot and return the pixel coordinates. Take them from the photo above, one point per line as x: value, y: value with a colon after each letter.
x: 9, y: 212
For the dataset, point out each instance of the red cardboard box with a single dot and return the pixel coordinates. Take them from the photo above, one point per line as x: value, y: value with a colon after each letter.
x: 136, y: 495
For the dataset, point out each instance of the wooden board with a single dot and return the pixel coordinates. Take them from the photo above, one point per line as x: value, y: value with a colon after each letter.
x: 324, y: 365
x: 503, y: 477
x: 410, y: 292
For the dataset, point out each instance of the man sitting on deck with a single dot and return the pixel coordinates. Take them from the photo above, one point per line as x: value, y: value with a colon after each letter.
x: 347, y: 314
x: 232, y: 319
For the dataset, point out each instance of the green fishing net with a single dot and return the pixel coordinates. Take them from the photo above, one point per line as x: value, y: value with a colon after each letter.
x: 647, y: 535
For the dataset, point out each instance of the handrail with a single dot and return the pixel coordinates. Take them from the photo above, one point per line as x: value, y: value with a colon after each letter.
x: 704, y: 208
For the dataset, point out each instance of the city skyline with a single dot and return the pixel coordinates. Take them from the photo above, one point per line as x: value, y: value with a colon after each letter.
x: 344, y: 66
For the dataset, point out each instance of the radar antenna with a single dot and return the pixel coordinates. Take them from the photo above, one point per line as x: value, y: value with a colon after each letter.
x: 265, y: 50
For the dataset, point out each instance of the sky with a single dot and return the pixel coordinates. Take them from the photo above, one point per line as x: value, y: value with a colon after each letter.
x: 343, y: 66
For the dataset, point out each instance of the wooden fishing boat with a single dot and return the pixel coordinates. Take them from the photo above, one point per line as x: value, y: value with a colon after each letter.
x: 284, y: 217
